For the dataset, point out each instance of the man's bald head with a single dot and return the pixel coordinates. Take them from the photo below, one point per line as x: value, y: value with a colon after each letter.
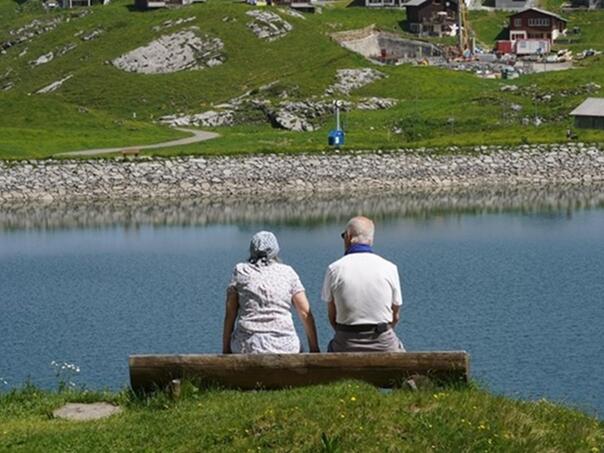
x: 360, y: 230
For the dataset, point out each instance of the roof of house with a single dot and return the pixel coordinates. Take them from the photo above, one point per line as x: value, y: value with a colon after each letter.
x: 421, y: 2
x: 590, y: 107
x: 414, y: 2
x: 542, y: 11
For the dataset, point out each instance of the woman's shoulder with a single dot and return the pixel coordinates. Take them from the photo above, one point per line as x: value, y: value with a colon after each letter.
x: 246, y: 268
x: 242, y: 268
x: 285, y: 268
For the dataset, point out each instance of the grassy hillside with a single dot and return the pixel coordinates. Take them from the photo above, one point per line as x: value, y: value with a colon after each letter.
x: 103, y: 106
x: 346, y: 417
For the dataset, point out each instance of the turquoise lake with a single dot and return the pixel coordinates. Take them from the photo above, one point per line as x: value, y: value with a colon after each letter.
x: 521, y: 287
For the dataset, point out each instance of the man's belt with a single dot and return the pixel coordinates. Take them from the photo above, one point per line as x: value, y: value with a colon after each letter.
x: 375, y: 328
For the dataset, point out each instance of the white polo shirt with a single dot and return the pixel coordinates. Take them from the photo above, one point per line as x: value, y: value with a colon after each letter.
x: 364, y: 286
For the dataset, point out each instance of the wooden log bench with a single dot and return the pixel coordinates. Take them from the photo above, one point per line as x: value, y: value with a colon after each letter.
x: 133, y: 152
x: 275, y: 371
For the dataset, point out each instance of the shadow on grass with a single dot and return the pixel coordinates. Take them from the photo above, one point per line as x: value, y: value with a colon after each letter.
x: 502, y: 35
x: 404, y: 25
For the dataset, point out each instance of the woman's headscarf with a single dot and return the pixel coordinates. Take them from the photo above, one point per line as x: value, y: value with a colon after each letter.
x: 264, y: 248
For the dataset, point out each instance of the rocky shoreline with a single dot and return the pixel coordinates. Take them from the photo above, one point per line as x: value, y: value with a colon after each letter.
x: 574, y: 164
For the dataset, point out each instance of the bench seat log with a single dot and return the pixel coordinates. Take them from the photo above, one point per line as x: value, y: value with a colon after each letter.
x: 274, y: 371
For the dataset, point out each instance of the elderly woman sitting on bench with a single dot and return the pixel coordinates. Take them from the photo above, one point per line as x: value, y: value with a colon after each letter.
x: 259, y: 296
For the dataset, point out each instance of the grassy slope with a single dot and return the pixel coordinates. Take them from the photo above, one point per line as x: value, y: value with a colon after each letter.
x: 437, y: 106
x: 350, y: 416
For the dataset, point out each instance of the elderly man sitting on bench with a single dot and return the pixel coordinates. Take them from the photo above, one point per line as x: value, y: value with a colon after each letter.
x: 363, y: 294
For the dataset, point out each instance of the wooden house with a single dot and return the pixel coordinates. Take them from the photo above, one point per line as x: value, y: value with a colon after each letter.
x: 587, y: 4
x: 590, y: 114
x: 432, y: 17
x: 535, y: 23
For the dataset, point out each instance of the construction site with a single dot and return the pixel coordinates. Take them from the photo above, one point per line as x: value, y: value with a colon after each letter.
x: 524, y: 52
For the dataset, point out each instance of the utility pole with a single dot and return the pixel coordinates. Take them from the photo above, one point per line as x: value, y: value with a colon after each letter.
x: 459, y: 25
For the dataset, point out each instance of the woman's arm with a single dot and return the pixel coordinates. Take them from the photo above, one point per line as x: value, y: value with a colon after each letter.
x: 300, y: 301
x: 232, y: 305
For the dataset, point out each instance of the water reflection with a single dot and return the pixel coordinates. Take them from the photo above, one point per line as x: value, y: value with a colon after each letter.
x: 303, y: 210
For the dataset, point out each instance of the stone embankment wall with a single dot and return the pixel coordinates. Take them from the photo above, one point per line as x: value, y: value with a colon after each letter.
x: 574, y: 164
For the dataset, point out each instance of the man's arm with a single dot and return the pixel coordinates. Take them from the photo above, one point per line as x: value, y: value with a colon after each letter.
x: 327, y: 296
x: 300, y: 301
x: 232, y: 305
x: 331, y: 313
x: 397, y: 298
x: 396, y: 314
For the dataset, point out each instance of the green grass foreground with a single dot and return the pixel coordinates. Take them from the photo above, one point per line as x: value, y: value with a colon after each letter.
x: 343, y: 417
x: 101, y: 106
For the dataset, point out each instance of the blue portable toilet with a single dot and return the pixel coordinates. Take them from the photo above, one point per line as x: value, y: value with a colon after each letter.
x: 336, y: 136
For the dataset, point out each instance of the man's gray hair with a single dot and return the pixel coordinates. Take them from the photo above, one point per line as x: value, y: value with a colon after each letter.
x: 360, y: 230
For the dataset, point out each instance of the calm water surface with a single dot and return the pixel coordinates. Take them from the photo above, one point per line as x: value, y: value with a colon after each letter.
x: 522, y: 292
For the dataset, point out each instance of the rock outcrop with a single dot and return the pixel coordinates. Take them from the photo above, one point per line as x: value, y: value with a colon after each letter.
x: 375, y: 103
x: 210, y: 118
x: 173, y: 23
x: 183, y: 50
x: 268, y: 25
x: 299, y: 116
x: 54, y: 86
x: 353, y: 79
x: 42, y: 59
x: 38, y: 27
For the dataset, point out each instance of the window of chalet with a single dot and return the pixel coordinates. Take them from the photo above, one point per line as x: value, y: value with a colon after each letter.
x: 518, y: 35
x: 518, y: 22
x: 538, y: 22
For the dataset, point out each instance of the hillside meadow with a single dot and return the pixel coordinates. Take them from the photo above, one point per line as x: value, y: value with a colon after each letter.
x: 102, y: 106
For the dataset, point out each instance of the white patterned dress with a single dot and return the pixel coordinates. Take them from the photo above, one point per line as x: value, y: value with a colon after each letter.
x: 264, y: 320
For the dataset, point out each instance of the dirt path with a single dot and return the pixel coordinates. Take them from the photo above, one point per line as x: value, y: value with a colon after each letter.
x: 198, y: 136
